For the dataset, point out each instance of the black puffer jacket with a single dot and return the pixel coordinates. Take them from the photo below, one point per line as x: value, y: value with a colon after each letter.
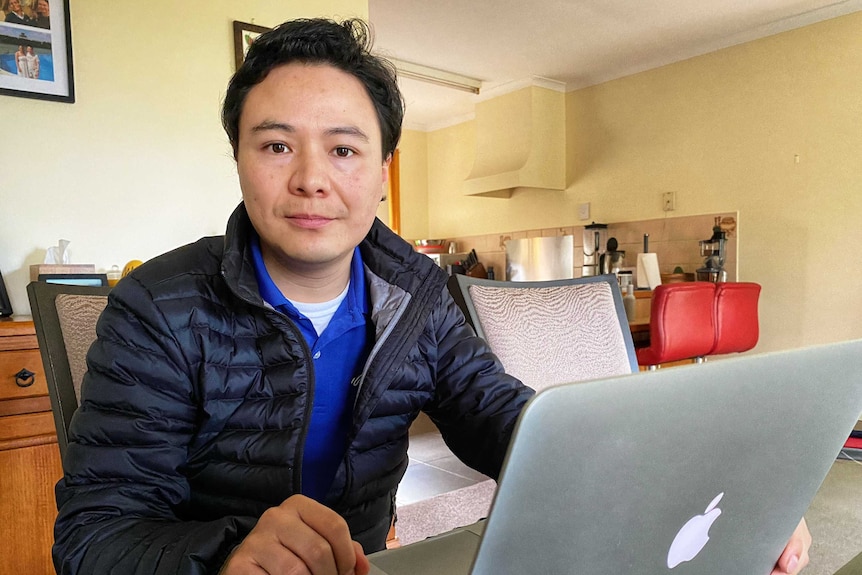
x: 196, y: 403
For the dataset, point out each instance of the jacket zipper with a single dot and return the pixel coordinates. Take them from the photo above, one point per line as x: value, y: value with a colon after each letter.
x: 390, y: 327
x: 357, y: 383
x: 309, y: 406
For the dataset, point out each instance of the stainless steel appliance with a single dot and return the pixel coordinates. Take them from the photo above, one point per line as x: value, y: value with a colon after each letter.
x: 714, y: 250
x: 613, y: 259
x: 540, y: 259
x: 595, y: 241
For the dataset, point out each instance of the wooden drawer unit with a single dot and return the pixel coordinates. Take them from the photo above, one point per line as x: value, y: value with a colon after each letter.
x: 29, y: 457
x: 15, y: 379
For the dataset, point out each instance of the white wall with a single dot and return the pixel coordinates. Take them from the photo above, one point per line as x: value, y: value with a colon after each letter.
x: 139, y: 164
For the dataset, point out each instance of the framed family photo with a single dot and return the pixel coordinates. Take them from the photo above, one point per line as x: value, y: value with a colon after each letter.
x: 243, y: 35
x: 36, y: 50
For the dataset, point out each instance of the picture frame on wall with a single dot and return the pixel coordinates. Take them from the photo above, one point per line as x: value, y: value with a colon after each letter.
x: 243, y: 35
x: 36, y: 50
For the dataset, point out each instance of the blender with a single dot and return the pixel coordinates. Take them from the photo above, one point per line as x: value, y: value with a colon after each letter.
x: 595, y: 238
x: 713, y: 250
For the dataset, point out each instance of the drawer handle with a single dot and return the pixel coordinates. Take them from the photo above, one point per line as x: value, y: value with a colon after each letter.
x: 25, y: 378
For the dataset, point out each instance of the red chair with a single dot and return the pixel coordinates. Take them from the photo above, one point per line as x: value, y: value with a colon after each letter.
x: 737, y: 327
x: 681, y: 323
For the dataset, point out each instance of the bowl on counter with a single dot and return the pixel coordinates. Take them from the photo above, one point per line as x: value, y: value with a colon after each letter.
x: 431, y: 246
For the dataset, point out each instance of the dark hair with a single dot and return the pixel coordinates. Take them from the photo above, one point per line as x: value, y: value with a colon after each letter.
x: 345, y: 45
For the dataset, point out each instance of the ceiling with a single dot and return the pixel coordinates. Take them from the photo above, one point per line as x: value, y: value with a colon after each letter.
x: 575, y: 42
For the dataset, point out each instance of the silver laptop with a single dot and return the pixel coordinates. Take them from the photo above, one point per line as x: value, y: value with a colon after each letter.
x: 701, y: 469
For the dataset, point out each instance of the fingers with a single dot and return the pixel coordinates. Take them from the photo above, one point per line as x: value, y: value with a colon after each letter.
x: 363, y: 566
x: 794, y: 558
x: 326, y: 540
x: 300, y: 536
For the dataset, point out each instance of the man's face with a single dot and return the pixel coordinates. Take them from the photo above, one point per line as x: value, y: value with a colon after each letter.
x: 310, y: 165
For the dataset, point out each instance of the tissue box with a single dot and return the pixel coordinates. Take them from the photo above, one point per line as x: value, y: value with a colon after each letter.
x: 37, y: 269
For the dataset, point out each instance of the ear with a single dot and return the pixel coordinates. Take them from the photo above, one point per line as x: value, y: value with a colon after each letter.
x: 385, y: 177
x: 386, y: 163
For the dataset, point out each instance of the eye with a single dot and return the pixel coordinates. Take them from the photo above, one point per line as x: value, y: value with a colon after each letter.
x: 343, y: 152
x: 278, y: 148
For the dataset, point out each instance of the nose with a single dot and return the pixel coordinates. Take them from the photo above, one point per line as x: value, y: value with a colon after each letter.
x: 310, y: 175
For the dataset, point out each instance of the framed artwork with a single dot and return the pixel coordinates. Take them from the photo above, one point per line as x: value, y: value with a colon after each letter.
x: 243, y: 35
x: 36, y: 50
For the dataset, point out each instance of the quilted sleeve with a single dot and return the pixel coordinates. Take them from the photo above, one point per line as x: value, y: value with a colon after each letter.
x: 121, y: 499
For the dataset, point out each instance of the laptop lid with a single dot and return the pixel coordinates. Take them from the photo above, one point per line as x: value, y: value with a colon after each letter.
x: 700, y: 469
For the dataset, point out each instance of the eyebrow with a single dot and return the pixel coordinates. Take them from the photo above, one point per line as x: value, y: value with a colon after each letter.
x: 273, y: 125
x: 282, y: 127
x: 347, y: 131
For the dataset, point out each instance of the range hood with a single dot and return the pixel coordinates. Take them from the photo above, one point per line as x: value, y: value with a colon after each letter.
x: 520, y: 141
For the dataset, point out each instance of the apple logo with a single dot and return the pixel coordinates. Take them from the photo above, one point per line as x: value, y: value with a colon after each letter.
x: 693, y: 535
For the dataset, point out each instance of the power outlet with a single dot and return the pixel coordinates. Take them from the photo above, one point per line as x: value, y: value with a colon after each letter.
x: 668, y: 201
x: 584, y: 211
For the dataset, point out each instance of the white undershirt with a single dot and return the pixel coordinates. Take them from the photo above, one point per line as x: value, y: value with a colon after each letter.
x: 320, y: 314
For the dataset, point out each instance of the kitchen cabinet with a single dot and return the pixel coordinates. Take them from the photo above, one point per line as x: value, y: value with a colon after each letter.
x: 29, y: 456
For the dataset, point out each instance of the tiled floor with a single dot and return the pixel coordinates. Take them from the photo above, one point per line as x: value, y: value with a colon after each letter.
x: 433, y: 470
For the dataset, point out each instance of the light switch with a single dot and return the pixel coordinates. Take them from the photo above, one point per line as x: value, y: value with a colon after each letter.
x: 584, y: 211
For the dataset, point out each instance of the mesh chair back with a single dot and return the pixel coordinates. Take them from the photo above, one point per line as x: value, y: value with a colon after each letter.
x: 78, y: 315
x: 65, y: 318
x: 548, y: 333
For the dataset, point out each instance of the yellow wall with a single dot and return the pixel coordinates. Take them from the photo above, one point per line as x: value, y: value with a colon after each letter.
x: 724, y: 131
x: 140, y: 163
x: 414, y: 185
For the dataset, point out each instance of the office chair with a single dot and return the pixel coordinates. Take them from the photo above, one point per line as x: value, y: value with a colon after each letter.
x: 550, y: 332
x: 545, y: 333
x: 736, y: 323
x: 65, y: 318
x: 681, y: 323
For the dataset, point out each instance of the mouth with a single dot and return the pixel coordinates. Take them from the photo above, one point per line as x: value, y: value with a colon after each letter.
x: 309, y: 221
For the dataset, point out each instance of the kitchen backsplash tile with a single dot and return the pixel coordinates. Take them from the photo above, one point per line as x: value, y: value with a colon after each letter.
x: 675, y: 240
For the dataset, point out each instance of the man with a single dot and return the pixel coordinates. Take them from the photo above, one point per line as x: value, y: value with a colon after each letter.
x: 248, y: 398
x: 15, y: 13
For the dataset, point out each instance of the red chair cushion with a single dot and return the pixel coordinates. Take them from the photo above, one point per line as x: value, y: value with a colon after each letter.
x: 737, y: 327
x: 681, y: 323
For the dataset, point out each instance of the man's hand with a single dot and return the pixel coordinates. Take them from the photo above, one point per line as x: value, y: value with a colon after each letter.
x: 299, y: 536
x: 795, y: 555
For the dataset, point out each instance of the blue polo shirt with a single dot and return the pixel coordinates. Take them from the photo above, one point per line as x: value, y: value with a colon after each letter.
x: 339, y: 354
